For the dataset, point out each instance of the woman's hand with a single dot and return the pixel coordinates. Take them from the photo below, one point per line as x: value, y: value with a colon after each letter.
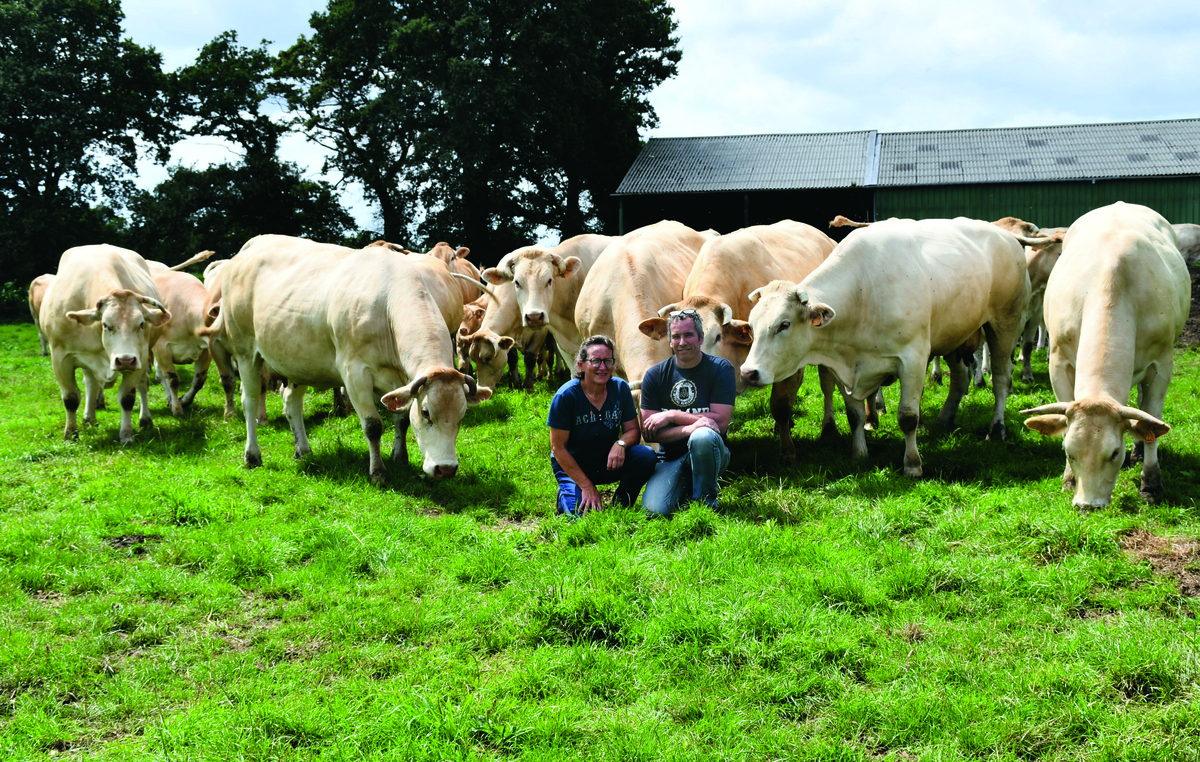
x: 616, y: 457
x: 589, y: 499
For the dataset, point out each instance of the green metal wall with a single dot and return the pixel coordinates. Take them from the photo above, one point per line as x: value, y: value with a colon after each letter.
x: 1047, y: 205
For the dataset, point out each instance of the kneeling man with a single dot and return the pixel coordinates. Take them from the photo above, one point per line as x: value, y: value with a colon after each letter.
x: 687, y: 401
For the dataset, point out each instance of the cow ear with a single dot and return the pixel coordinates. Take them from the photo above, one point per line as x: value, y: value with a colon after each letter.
x: 655, y: 328
x: 397, y: 400
x: 462, y: 252
x: 1052, y: 425
x: 496, y: 276
x: 85, y: 317
x: 482, y: 394
x: 820, y: 314
x: 156, y: 317
x: 739, y: 332
x: 569, y: 267
x: 1148, y: 431
x: 725, y: 314
x: 506, y: 343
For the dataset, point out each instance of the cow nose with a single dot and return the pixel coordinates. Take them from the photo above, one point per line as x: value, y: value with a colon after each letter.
x: 750, y: 376
x: 125, y: 362
x: 535, y: 319
x: 445, y: 472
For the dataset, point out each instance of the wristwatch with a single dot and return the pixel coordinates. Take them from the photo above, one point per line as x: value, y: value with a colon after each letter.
x: 622, y: 443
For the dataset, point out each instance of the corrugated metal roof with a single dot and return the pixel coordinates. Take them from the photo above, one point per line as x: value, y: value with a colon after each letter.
x: 1073, y: 152
x: 749, y: 163
x: 844, y: 159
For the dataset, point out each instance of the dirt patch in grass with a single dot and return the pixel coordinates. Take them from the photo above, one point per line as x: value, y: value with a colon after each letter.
x: 1191, y: 331
x: 135, y: 542
x: 1174, y: 557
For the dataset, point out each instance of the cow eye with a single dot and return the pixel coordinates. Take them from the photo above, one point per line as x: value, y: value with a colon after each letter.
x: 784, y: 326
x: 425, y: 415
x: 107, y: 327
x: 517, y: 283
x: 1116, y: 454
x: 550, y: 282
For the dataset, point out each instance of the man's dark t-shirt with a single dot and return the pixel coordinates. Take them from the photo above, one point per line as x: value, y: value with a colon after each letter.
x: 666, y: 386
x: 592, y: 431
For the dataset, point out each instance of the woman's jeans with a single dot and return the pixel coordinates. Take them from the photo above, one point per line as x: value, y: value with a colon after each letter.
x: 639, y: 465
x: 689, y: 477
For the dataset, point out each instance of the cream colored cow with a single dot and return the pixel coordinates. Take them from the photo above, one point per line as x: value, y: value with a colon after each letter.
x: 888, y: 298
x: 101, y: 314
x: 727, y: 269
x: 1115, y: 304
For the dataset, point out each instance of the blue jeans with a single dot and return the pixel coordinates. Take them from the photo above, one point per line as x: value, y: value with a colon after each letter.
x: 639, y: 465
x: 692, y: 476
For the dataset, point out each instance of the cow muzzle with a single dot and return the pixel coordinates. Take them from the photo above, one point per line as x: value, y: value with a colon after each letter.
x: 752, y: 377
x: 121, y: 363
x: 445, y: 471
x: 535, y: 319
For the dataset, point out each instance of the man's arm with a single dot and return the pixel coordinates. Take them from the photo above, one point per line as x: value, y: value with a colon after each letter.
x: 672, y: 425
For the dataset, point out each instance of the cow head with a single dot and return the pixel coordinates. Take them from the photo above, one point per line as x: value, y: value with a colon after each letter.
x: 781, y: 327
x: 489, y: 352
x: 1093, y: 431
x: 436, y: 403
x: 128, y: 327
x: 721, y: 336
x: 472, y: 318
x: 532, y: 271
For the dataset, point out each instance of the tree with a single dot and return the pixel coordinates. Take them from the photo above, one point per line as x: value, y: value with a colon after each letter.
x: 75, y: 99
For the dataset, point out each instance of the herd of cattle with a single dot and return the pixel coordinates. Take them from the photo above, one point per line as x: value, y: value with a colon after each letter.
x: 1111, y: 294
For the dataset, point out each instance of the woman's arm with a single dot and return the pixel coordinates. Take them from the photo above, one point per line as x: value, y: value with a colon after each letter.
x: 558, y: 446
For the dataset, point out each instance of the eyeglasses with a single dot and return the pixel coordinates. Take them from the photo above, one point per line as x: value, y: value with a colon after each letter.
x: 601, y: 362
x: 688, y: 313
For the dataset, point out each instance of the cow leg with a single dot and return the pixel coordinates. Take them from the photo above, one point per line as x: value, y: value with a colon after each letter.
x: 45, y: 344
x: 264, y: 384
x: 360, y: 388
x: 829, y: 386
x: 225, y: 369
x: 293, y: 410
x: 64, y: 374
x: 400, y: 442
x: 199, y: 376
x: 100, y: 403
x: 126, y: 396
x: 251, y: 372
x: 531, y: 360
x: 1000, y: 342
x: 908, y: 413
x: 93, y: 390
x: 1043, y: 341
x: 339, y: 402
x: 936, y: 375
x: 960, y: 383
x: 514, y: 370
x: 872, y: 406
x: 169, y: 377
x: 783, y: 397
x: 982, y: 365
x: 1152, y: 400
x: 856, y: 416
x: 143, y: 390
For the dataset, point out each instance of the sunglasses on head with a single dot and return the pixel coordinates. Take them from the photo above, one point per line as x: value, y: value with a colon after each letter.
x: 689, y: 312
x: 599, y: 362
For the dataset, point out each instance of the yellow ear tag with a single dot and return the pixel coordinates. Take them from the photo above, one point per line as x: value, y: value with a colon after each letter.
x: 816, y: 321
x: 1149, y: 438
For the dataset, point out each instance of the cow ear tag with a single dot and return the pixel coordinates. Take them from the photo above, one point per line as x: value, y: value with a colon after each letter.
x: 816, y: 321
x: 1149, y: 437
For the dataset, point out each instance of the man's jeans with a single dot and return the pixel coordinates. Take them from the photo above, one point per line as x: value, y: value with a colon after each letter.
x: 692, y: 476
x: 640, y: 461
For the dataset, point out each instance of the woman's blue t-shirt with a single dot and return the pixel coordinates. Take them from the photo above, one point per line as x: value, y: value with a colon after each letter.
x: 592, y: 431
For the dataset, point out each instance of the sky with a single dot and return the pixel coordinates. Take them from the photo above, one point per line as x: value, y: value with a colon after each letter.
x: 787, y: 66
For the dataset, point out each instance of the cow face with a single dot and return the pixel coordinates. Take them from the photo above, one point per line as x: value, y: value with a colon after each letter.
x: 489, y: 352
x: 781, y: 328
x: 436, y: 405
x: 128, y: 325
x: 532, y: 272
x: 721, y: 336
x: 1093, y: 432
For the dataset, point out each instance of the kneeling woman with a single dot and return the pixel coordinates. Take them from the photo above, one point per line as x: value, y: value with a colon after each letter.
x: 594, y: 434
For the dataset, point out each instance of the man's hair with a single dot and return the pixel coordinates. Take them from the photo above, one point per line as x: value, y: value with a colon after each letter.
x: 691, y: 315
x: 591, y: 341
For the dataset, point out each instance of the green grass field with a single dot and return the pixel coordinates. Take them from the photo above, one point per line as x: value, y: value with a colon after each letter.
x: 159, y: 601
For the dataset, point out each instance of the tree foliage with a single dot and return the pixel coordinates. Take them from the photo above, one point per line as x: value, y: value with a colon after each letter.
x: 75, y: 99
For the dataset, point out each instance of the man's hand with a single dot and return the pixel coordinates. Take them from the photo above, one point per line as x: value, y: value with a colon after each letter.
x: 651, y: 424
x: 616, y: 457
x: 702, y: 423
x: 589, y: 499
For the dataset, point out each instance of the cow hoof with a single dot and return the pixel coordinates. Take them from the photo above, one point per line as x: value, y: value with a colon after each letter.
x: 1151, y: 494
x: 787, y: 458
x: 177, y: 412
x: 913, y: 472
x: 379, y: 477
x: 1027, y: 379
x: 253, y: 460
x: 145, y: 423
x: 71, y: 435
x: 998, y: 433
x: 126, y: 439
x: 830, y: 429
x: 302, y: 452
x: 262, y: 421
x: 229, y: 413
x: 981, y: 383
x: 872, y: 422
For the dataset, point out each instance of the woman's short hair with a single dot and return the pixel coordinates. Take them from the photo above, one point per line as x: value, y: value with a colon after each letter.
x: 591, y: 341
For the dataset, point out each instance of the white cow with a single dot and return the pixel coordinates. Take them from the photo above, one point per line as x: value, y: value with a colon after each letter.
x: 101, y: 314
x: 1188, y: 237
x: 368, y: 320
x: 37, y: 292
x: 637, y: 274
x: 888, y: 298
x: 1115, y: 304
x: 183, y: 339
x: 727, y: 269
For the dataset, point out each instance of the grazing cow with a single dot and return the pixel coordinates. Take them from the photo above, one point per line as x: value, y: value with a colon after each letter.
x: 727, y: 269
x: 456, y: 261
x: 366, y: 319
x: 637, y: 274
x: 546, y: 284
x: 37, y: 292
x: 888, y: 298
x: 1188, y: 236
x: 1114, y: 306
x: 101, y: 314
x: 472, y: 321
x: 182, y: 339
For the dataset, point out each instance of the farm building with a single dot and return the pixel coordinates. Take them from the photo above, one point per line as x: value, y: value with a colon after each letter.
x: 1046, y: 175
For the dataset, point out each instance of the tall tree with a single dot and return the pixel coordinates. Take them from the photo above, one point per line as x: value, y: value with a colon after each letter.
x: 75, y: 99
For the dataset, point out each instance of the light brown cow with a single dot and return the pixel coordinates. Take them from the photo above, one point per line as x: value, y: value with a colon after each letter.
x: 1115, y: 304
x: 546, y: 284
x: 472, y: 321
x: 1188, y: 237
x: 888, y: 298
x: 37, y: 292
x: 724, y: 274
x: 101, y: 314
x: 637, y: 274
x: 369, y: 320
x: 182, y: 340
